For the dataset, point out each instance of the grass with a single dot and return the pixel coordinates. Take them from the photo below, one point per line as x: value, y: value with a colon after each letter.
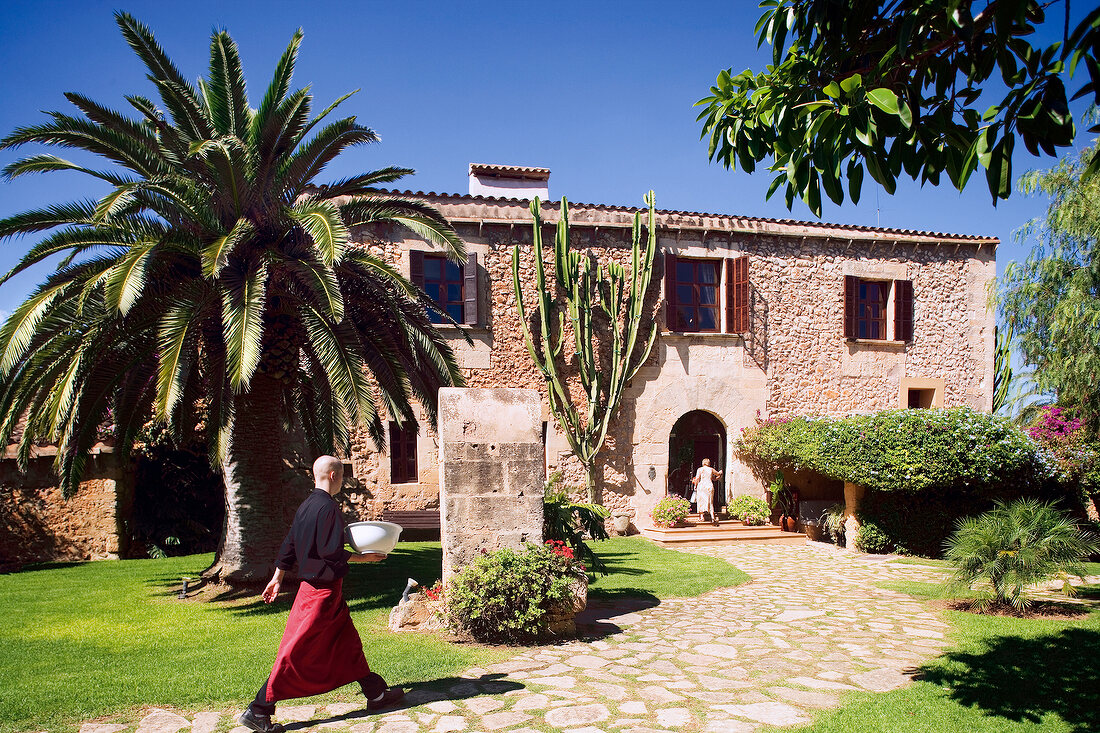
x: 640, y: 569
x: 90, y: 640
x: 1003, y: 675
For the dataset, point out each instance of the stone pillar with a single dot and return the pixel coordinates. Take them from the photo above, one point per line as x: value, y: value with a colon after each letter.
x: 852, y: 495
x: 491, y: 471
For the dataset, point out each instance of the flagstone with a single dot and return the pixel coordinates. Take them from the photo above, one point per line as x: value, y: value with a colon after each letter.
x: 205, y: 722
x: 450, y: 724
x: 577, y: 715
x: 496, y: 721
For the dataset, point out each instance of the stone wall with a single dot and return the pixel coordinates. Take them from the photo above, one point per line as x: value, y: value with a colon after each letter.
x: 795, y: 360
x: 37, y: 524
x: 490, y: 465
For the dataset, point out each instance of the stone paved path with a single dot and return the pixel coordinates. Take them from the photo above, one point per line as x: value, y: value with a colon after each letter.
x: 809, y: 626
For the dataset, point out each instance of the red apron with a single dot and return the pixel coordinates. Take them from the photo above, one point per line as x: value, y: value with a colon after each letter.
x: 320, y: 650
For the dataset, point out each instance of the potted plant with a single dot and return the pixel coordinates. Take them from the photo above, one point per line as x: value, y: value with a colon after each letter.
x: 751, y: 510
x: 670, y: 511
x: 785, y: 501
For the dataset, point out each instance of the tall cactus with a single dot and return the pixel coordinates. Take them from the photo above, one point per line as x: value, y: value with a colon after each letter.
x: 587, y: 287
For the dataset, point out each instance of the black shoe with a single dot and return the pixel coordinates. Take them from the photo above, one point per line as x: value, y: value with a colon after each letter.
x: 390, y: 697
x: 259, y: 723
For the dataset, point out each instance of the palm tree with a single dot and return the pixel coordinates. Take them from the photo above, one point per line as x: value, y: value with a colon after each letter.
x: 216, y: 288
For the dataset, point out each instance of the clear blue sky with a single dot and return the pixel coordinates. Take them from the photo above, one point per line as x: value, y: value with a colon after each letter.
x: 600, y: 93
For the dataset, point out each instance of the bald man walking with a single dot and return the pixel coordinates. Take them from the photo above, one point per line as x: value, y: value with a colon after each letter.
x: 321, y: 649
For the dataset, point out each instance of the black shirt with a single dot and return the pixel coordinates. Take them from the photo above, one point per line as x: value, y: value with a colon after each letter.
x: 316, y: 540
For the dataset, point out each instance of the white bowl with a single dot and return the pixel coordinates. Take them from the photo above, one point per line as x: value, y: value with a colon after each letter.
x: 378, y: 537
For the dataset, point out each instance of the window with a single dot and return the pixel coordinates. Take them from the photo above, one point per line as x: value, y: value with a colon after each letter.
x: 867, y: 306
x: 920, y: 398
x: 403, y: 454
x: 452, y: 286
x: 692, y: 292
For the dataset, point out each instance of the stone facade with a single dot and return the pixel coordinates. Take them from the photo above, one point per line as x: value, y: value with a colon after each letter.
x: 794, y: 359
x: 38, y: 524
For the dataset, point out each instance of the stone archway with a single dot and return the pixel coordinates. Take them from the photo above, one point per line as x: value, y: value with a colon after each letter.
x: 696, y: 435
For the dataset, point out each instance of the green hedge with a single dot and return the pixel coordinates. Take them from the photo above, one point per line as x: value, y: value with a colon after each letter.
x: 904, y: 450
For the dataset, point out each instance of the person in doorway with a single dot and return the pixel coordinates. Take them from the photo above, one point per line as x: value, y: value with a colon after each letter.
x: 704, y: 491
x: 321, y: 649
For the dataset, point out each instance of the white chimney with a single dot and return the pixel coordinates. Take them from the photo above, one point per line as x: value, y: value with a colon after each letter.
x: 509, y: 181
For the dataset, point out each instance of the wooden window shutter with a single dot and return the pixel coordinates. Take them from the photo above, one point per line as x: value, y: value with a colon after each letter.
x: 670, y: 291
x: 737, y: 295
x: 469, y: 291
x: 903, y: 310
x: 851, y: 293
x: 397, y: 465
x: 416, y: 268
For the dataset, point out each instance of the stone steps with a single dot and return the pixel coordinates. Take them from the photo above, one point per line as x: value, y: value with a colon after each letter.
x: 698, y: 532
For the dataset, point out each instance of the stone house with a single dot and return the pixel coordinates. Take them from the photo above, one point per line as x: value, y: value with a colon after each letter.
x: 757, y: 318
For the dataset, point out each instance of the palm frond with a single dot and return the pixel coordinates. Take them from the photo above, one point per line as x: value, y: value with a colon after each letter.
x: 46, y: 163
x: 176, y: 337
x: 277, y: 89
x: 361, y: 185
x: 127, y: 278
x: 243, y: 298
x: 420, y: 218
x: 217, y: 253
x: 322, y: 222
x: 307, y: 162
x: 225, y: 95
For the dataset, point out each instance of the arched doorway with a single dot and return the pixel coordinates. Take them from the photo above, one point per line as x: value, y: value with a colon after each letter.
x: 695, y: 436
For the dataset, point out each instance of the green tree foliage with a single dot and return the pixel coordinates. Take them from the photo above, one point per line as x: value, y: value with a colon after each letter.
x: 894, y: 88
x: 605, y: 313
x: 1052, y: 300
x: 1001, y: 553
x: 216, y: 284
x: 902, y: 450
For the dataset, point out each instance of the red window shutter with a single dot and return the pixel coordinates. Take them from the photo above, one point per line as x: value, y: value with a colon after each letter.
x: 469, y: 291
x: 670, y: 291
x: 731, y: 309
x: 903, y: 310
x: 397, y: 464
x: 416, y: 268
x: 737, y: 295
x: 851, y: 293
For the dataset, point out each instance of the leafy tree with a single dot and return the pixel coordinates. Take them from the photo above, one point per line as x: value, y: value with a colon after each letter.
x: 1003, y: 552
x: 216, y: 286
x: 1052, y: 301
x: 604, y: 308
x: 894, y: 88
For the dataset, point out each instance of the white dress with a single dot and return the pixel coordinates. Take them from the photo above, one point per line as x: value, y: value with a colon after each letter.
x: 704, y: 490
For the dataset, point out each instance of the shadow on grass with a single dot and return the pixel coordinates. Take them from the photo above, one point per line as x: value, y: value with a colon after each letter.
x: 446, y: 688
x: 368, y: 586
x: 1024, y: 679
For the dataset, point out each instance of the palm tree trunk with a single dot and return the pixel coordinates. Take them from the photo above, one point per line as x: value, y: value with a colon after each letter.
x: 264, y: 484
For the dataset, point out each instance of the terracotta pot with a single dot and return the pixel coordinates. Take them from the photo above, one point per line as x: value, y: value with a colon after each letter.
x: 790, y: 524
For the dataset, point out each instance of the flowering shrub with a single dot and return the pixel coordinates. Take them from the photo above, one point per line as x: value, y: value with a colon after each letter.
x: 1074, y: 459
x: 751, y: 509
x: 505, y: 595
x: 903, y: 450
x: 435, y: 592
x: 670, y: 510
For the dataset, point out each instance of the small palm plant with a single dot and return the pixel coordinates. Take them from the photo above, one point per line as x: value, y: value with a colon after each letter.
x: 1003, y: 552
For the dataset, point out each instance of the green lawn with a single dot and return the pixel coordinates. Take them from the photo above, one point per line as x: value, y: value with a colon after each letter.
x: 92, y: 639
x: 104, y: 639
x: 638, y: 568
x: 1003, y: 675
